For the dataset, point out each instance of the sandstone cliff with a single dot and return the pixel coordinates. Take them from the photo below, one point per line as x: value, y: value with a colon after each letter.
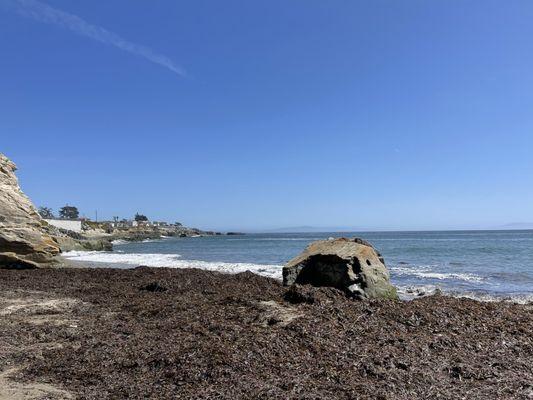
x: 24, y: 242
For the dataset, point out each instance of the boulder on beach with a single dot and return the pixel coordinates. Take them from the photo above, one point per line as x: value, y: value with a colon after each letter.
x: 351, y: 265
x: 23, y: 241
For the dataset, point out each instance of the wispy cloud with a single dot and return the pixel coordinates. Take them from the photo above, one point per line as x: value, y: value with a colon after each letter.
x: 44, y: 13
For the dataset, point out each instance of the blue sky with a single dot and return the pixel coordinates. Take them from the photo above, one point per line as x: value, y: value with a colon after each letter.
x: 255, y: 115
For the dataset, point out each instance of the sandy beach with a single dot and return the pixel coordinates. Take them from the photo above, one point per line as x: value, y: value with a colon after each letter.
x: 170, y: 333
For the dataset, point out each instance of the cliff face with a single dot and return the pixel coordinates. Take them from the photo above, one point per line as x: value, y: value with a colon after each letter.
x: 23, y: 241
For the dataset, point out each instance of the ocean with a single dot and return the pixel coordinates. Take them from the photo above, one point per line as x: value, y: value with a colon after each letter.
x: 486, y: 265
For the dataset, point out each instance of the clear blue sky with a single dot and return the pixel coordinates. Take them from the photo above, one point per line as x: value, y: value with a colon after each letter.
x: 262, y: 114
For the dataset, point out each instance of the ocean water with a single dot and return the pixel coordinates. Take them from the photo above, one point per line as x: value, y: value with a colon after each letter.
x: 487, y: 265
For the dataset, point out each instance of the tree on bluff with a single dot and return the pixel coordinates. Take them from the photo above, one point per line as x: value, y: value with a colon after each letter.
x: 46, y: 212
x: 140, y: 217
x: 69, y: 212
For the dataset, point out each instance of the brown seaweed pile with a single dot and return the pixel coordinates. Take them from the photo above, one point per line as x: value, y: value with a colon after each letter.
x: 169, y: 333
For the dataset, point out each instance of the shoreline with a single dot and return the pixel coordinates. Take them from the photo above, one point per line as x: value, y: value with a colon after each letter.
x: 93, y: 333
x: 98, y: 259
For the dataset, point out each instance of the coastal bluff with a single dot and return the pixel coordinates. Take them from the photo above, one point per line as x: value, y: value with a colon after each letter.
x: 24, y: 243
x: 351, y: 265
x: 28, y: 241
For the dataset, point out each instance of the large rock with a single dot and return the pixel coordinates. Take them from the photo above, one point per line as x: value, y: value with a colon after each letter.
x: 351, y: 265
x: 23, y: 240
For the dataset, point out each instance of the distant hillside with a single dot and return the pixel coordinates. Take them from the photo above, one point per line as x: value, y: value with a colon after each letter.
x: 518, y: 225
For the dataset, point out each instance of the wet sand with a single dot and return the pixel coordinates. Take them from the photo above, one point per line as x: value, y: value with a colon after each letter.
x: 169, y: 333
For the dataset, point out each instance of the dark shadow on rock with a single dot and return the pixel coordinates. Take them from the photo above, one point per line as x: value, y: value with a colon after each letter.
x: 153, y: 287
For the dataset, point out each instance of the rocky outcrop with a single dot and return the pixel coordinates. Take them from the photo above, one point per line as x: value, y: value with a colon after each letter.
x: 23, y: 240
x: 67, y: 243
x: 70, y: 240
x: 351, y: 265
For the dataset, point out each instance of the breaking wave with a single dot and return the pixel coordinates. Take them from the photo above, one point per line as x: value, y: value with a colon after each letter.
x: 425, y: 272
x: 171, y: 261
x: 520, y: 298
x: 416, y: 291
x: 119, y: 242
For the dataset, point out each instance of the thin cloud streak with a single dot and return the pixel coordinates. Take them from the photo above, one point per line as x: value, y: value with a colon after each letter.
x: 44, y: 13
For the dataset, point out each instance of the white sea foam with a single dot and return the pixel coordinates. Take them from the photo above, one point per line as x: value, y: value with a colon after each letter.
x: 172, y: 261
x: 417, y: 291
x: 119, y: 242
x: 520, y: 298
x: 440, y: 276
x: 427, y: 273
x: 411, y: 292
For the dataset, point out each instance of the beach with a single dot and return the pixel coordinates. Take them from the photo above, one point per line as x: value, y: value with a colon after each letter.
x: 164, y: 311
x: 164, y: 333
x: 266, y: 200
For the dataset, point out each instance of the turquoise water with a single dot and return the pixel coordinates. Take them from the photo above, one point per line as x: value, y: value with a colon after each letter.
x: 476, y: 263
